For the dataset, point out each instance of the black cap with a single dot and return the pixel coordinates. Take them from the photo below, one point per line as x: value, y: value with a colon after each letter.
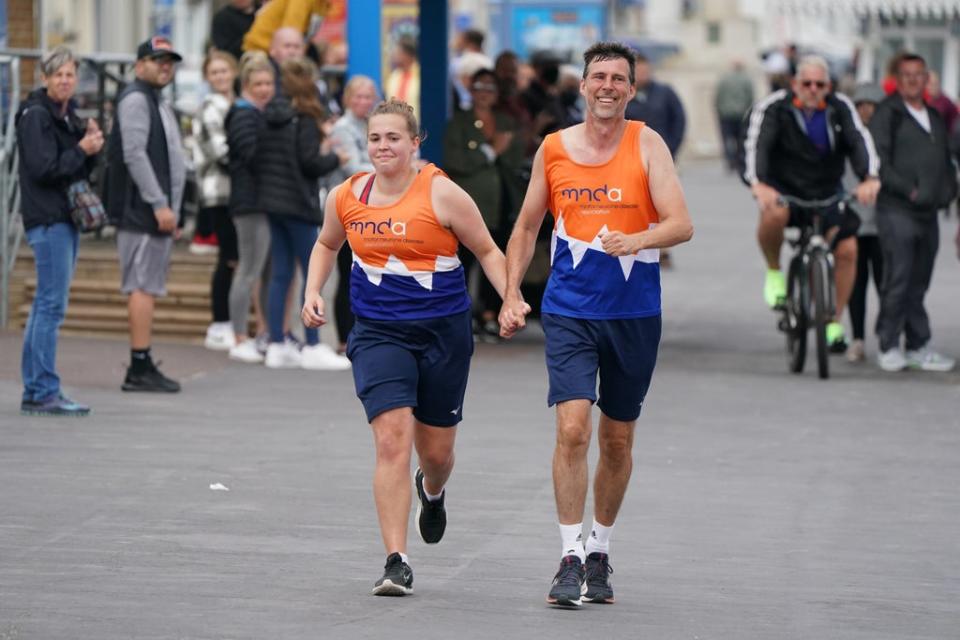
x: 157, y: 47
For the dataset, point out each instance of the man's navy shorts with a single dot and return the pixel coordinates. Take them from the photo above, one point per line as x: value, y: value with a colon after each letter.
x: 413, y: 363
x: 622, y: 351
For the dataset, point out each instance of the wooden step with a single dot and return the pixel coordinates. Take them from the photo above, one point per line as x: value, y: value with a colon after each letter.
x: 179, y: 294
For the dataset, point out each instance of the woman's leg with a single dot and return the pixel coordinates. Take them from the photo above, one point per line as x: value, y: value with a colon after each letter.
x: 304, y: 237
x: 55, y: 254
x: 342, y: 312
x: 253, y: 247
x: 226, y: 262
x: 858, y: 298
x: 393, y: 434
x: 281, y: 272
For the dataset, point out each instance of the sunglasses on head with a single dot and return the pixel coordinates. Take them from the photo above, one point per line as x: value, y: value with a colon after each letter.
x: 819, y: 84
x: 484, y: 86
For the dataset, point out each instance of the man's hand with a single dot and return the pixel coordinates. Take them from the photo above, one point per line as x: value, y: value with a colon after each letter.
x: 867, y: 191
x: 501, y: 141
x: 313, y: 311
x: 166, y: 219
x: 513, y: 316
x: 617, y: 243
x: 765, y: 195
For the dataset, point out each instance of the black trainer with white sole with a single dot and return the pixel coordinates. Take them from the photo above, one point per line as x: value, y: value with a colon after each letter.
x: 568, y: 583
x: 431, y: 515
x: 397, y: 578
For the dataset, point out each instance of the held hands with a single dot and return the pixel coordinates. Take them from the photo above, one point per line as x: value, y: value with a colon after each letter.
x: 92, y: 140
x: 166, y: 219
x: 617, y: 243
x: 513, y: 316
x: 867, y: 191
x: 313, y: 311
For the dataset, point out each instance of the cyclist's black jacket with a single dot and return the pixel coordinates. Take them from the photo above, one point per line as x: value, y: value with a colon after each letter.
x: 778, y: 152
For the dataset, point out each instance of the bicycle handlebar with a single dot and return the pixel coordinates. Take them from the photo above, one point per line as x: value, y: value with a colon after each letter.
x: 824, y: 203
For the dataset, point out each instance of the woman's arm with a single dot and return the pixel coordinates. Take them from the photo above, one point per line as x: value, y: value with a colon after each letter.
x: 322, y: 260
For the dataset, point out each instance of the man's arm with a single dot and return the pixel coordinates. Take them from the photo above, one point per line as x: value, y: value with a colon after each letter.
x: 674, y: 226
x: 760, y: 137
x: 520, y: 248
x: 881, y: 129
x: 134, y: 115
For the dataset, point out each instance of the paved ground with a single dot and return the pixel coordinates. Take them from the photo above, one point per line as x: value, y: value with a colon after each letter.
x: 763, y: 505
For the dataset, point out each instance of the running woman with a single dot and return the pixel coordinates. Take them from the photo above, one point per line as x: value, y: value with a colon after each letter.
x: 412, y: 341
x: 616, y: 200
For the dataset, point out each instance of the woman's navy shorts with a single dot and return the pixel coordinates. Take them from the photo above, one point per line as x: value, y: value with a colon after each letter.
x: 413, y: 363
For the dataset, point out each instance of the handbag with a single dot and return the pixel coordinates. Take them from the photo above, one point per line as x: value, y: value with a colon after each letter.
x: 86, y: 209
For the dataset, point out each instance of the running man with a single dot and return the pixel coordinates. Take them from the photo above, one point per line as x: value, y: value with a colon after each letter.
x: 412, y: 341
x: 616, y: 200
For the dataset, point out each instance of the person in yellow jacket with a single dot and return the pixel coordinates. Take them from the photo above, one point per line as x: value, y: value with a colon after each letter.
x: 278, y: 14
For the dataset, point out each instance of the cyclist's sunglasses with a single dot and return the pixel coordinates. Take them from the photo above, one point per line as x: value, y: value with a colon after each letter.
x: 819, y: 84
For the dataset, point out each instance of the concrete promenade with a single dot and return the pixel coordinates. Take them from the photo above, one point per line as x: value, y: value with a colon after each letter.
x: 763, y: 505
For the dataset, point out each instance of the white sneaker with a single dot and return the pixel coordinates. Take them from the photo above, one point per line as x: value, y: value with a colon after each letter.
x: 320, y: 357
x: 927, y: 359
x: 281, y: 355
x: 892, y: 360
x: 220, y: 337
x: 855, y: 352
x: 246, y: 351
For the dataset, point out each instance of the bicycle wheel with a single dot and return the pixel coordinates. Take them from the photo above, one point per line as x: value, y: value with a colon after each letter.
x: 795, y: 316
x: 821, y: 312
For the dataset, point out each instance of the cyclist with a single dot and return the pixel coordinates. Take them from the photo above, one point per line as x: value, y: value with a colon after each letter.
x: 797, y: 143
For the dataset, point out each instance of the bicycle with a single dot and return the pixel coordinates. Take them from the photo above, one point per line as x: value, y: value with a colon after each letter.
x: 811, y: 296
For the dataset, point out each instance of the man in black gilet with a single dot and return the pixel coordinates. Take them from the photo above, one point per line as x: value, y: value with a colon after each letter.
x: 145, y: 179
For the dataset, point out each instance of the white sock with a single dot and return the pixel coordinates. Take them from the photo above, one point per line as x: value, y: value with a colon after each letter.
x: 403, y: 557
x: 572, y: 537
x: 430, y: 496
x: 599, y: 539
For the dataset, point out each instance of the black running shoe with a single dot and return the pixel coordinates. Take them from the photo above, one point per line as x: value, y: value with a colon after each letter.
x: 431, y: 515
x: 397, y: 578
x: 568, y: 583
x: 149, y: 380
x: 598, y: 579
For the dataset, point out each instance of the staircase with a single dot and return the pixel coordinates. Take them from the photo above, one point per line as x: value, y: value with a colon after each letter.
x: 97, y: 308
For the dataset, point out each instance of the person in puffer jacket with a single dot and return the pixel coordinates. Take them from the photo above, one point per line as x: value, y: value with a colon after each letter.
x: 291, y: 159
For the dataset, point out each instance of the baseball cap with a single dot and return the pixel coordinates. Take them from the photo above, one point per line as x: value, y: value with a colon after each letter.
x: 157, y: 47
x: 868, y: 92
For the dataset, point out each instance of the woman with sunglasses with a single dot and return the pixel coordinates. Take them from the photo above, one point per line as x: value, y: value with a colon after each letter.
x: 483, y: 154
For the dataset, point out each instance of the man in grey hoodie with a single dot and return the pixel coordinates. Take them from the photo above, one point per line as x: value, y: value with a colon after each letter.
x: 145, y: 181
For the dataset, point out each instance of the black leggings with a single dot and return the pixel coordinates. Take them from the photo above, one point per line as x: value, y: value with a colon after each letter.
x: 341, y: 305
x: 226, y: 261
x: 869, y: 257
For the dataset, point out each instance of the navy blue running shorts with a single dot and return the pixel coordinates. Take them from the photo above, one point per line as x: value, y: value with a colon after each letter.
x: 413, y: 363
x: 622, y: 351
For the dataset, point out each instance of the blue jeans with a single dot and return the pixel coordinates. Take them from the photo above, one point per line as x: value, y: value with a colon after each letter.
x: 55, y: 254
x: 290, y: 239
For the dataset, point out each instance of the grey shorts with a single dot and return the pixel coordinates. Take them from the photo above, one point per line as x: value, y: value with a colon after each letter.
x: 144, y: 261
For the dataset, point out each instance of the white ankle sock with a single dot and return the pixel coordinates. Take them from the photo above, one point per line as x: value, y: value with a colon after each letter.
x: 403, y: 557
x: 599, y: 539
x: 430, y: 496
x: 572, y: 537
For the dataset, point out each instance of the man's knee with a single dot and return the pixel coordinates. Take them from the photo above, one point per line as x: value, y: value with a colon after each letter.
x: 774, y: 216
x: 573, y: 434
x: 846, y: 251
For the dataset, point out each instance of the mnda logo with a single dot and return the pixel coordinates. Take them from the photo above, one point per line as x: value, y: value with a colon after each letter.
x: 613, y: 194
x: 379, y: 228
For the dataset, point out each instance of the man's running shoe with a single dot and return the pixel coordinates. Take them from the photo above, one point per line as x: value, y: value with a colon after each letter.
x: 598, y: 570
x: 431, y: 515
x: 397, y: 578
x: 836, y: 338
x: 926, y: 359
x: 568, y: 583
x: 775, y: 289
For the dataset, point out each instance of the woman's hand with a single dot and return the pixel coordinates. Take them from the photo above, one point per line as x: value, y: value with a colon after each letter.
x: 313, y: 311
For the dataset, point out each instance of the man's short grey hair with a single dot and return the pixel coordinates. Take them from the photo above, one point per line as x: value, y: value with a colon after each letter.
x: 813, y: 61
x: 55, y: 59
